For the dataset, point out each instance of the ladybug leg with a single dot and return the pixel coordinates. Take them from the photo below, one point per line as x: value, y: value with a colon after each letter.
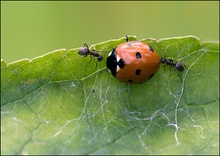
x: 126, y: 38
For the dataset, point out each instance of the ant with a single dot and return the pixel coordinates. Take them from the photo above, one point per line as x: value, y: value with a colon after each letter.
x: 85, y: 51
x: 170, y: 62
x: 176, y: 65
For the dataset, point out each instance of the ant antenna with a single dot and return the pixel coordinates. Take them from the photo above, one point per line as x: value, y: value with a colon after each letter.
x: 163, y: 59
x: 163, y: 53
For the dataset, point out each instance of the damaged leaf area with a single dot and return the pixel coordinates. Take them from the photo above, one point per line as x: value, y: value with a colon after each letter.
x: 63, y: 103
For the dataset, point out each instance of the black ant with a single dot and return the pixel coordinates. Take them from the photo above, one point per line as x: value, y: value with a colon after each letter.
x: 85, y: 51
x: 176, y: 65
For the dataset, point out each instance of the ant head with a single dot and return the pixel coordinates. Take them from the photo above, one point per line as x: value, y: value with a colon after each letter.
x: 84, y: 50
x: 180, y: 67
x: 163, y: 60
x: 100, y: 58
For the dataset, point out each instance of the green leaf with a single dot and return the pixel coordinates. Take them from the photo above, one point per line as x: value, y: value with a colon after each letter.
x: 60, y: 103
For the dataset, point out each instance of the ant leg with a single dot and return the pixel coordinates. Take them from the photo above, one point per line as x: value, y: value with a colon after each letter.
x: 85, y: 45
x: 164, y: 67
x: 96, y: 64
x: 180, y: 76
x: 90, y: 58
x: 94, y: 49
x: 170, y: 68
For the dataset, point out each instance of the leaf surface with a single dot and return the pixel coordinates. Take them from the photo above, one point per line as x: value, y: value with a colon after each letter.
x: 60, y: 103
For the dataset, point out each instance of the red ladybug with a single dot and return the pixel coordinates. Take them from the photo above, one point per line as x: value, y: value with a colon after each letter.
x: 133, y: 62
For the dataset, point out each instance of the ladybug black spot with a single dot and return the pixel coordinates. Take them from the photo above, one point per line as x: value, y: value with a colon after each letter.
x: 151, y: 49
x: 138, y: 55
x: 130, y: 81
x: 121, y: 63
x: 138, y: 72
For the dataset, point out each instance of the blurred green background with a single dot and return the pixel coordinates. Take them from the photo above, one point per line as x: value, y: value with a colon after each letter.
x: 30, y: 29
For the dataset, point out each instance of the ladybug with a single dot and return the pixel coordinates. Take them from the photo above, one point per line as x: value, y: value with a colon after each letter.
x: 133, y: 62
x: 85, y: 51
x: 176, y: 65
